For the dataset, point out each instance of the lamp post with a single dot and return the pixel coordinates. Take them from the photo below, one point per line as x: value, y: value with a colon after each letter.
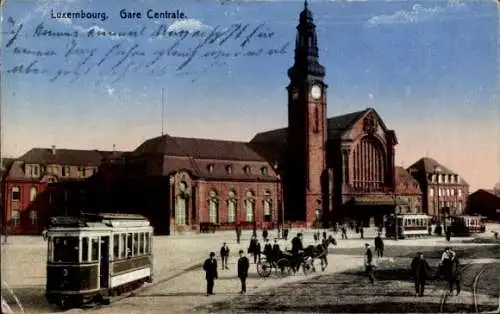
x: 396, y: 227
x: 437, y: 172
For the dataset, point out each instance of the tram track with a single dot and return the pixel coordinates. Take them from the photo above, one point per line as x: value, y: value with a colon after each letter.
x: 474, y: 284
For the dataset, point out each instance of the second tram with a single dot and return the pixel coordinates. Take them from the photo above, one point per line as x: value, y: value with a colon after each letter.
x: 408, y: 226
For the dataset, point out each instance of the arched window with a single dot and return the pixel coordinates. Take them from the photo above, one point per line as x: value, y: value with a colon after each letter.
x: 213, y: 207
x: 181, y: 205
x: 267, y: 206
x: 33, y: 216
x: 431, y: 192
x: 231, y: 207
x: 250, y: 206
x: 316, y: 120
x: 33, y: 193
x: 369, y: 164
x: 16, y: 193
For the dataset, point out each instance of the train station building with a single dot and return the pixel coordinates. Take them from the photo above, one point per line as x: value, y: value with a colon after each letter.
x: 316, y: 171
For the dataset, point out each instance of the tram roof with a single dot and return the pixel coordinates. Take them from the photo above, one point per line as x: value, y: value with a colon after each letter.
x: 414, y: 216
x: 95, y: 220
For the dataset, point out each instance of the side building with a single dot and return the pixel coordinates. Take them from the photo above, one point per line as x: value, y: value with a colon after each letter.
x: 45, y: 182
x: 444, y: 192
x: 182, y: 184
x: 485, y: 203
x: 408, y: 193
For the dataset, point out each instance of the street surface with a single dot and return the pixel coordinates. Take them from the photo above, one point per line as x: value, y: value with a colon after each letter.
x: 179, y: 285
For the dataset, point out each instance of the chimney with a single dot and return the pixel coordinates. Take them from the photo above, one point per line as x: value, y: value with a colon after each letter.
x: 53, y: 148
x: 114, y: 148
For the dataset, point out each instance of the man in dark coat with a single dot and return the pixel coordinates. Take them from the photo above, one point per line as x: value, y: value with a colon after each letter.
x: 224, y: 255
x: 369, y: 265
x: 361, y: 231
x: 238, y: 235
x: 344, y: 232
x: 264, y: 234
x: 297, y: 247
x: 268, y: 250
x: 421, y: 272
x: 210, y: 267
x: 276, y: 249
x: 451, y: 269
x: 379, y: 246
x: 243, y: 265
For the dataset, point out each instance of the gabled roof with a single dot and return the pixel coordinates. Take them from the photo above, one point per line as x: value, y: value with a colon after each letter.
x: 428, y: 165
x: 336, y: 126
x: 339, y: 124
x: 489, y: 191
x: 198, y: 148
x: 63, y: 156
x: 404, y: 176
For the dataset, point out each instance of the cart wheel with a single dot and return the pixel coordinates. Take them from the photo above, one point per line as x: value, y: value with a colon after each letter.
x: 264, y: 268
x: 284, y: 267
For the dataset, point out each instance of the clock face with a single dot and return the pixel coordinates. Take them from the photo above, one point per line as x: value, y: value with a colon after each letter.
x: 316, y: 92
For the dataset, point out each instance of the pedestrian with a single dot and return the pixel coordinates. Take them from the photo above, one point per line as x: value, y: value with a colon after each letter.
x: 264, y: 234
x: 253, y: 247
x: 421, y: 272
x: 224, y: 255
x: 315, y: 237
x: 450, y: 266
x: 448, y: 234
x: 243, y: 265
x: 344, y: 232
x: 210, y: 267
x: 324, y: 235
x: 379, y: 246
x: 361, y: 232
x: 268, y: 250
x: 285, y: 234
x: 238, y: 235
x: 495, y: 234
x: 369, y: 265
x: 276, y: 249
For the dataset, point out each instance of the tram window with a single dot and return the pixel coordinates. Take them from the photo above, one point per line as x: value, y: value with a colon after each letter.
x: 136, y: 244
x: 129, y: 245
x: 141, y: 243
x: 123, y: 245
x: 85, y: 249
x: 146, y: 244
x: 95, y: 249
x: 66, y: 249
x: 116, y: 245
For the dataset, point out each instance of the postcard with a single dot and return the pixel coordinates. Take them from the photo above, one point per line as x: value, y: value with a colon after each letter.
x: 241, y: 156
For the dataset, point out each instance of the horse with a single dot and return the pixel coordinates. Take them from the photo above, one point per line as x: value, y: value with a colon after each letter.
x: 320, y: 251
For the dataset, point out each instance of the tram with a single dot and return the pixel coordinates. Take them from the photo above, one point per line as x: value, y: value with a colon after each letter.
x: 94, y: 256
x: 416, y: 225
x: 466, y: 225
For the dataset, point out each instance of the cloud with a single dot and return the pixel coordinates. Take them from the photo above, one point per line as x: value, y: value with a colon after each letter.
x: 110, y: 90
x: 190, y: 25
x: 417, y: 14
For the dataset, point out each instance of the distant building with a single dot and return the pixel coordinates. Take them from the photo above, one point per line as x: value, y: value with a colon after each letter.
x: 409, y: 193
x: 43, y: 182
x: 443, y: 190
x: 485, y: 203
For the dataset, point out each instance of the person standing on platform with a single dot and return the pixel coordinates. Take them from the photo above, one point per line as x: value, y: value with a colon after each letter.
x: 369, y: 265
x: 238, y: 235
x: 243, y: 265
x: 379, y: 246
x: 210, y: 268
x: 421, y: 272
x: 224, y: 255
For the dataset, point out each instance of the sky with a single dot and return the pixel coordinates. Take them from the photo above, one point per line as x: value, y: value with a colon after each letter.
x: 429, y: 68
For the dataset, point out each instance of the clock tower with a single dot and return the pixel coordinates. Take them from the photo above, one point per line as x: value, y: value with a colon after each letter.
x: 306, y: 135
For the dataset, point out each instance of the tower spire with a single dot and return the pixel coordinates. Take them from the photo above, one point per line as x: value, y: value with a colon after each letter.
x: 306, y: 48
